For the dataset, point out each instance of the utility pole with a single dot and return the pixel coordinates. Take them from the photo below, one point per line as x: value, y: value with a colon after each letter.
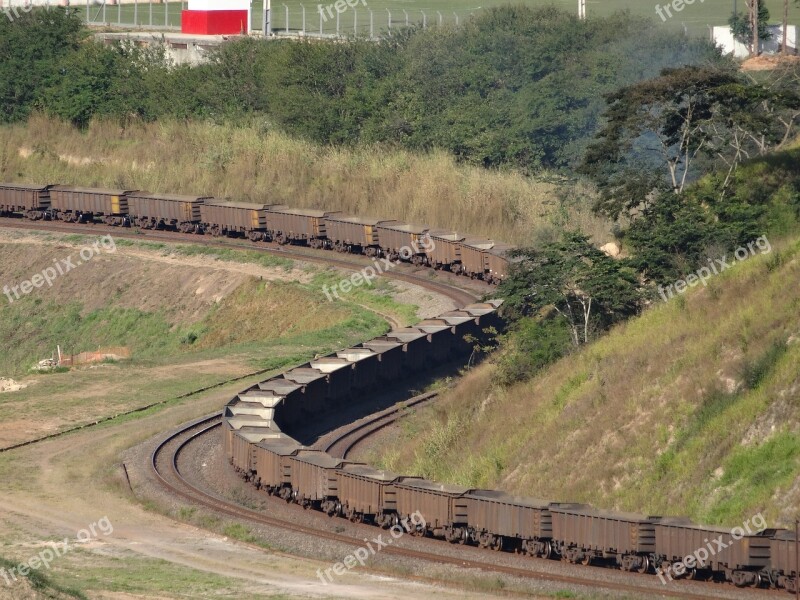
x: 582, y: 10
x: 266, y: 23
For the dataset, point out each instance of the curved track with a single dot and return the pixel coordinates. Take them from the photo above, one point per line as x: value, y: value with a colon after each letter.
x: 164, y: 461
x: 342, y: 441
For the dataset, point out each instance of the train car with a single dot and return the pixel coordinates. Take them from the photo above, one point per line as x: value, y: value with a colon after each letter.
x: 473, y: 257
x: 166, y: 211
x: 443, y: 507
x: 85, y: 205
x: 29, y: 200
x: 441, y: 336
x: 391, y: 355
x: 584, y: 534
x: 273, y: 467
x: 496, y: 262
x: 740, y: 561
x: 304, y: 391
x: 445, y: 250
x: 235, y: 219
x: 354, y: 234
x: 315, y: 481
x: 366, y: 494
x: 783, y: 570
x: 299, y: 225
x: 467, y: 331
x: 416, y: 351
x: 503, y: 522
x: 405, y: 241
x: 340, y: 373
x: 366, y: 363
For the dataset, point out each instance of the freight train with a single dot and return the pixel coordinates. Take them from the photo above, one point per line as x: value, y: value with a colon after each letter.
x: 258, y: 425
x: 417, y: 244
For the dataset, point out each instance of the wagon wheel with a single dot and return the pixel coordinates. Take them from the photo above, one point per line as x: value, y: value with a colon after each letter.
x: 548, y: 551
x: 645, y: 566
x: 497, y: 546
x: 586, y: 560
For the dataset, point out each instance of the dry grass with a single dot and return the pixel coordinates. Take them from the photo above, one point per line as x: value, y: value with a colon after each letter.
x: 691, y: 409
x: 259, y: 165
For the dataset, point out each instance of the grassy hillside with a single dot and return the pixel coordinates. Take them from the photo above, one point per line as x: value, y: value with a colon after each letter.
x: 691, y: 409
x: 256, y: 165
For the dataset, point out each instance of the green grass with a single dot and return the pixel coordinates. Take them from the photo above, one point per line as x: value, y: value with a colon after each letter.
x: 696, y: 17
x: 43, y: 584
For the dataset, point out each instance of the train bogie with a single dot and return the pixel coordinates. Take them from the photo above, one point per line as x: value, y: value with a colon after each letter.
x: 30, y: 200
x: 783, y: 569
x: 84, y: 205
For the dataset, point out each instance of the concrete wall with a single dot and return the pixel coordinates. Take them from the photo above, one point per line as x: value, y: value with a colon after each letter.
x: 723, y: 37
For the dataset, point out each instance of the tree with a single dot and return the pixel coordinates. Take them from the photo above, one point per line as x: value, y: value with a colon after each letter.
x: 742, y: 25
x: 584, y: 286
x: 662, y: 133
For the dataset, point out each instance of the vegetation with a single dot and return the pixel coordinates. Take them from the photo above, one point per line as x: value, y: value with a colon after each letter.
x: 513, y: 86
x: 250, y: 164
x: 688, y: 409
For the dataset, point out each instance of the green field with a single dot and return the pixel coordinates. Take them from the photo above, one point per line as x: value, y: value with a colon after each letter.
x: 696, y: 17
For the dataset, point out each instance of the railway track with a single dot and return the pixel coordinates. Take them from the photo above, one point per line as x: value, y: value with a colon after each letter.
x: 342, y: 441
x: 458, y: 295
x: 164, y: 462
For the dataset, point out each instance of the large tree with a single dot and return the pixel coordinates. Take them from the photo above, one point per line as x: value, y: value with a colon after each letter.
x: 662, y: 133
x: 583, y: 285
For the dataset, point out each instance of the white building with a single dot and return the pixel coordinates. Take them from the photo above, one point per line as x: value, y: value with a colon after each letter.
x: 723, y: 37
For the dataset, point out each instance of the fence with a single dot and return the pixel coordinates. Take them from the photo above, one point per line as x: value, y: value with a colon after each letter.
x: 316, y: 20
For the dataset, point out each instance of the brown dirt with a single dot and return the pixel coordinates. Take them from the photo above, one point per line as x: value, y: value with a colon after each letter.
x: 767, y: 62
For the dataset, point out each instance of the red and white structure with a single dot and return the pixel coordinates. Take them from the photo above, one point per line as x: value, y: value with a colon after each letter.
x: 216, y: 17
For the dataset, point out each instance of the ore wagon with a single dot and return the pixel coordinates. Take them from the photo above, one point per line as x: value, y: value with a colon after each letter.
x: 441, y: 337
x: 299, y: 225
x: 235, y: 219
x: 737, y: 560
x: 501, y: 521
x: 416, y: 351
x: 390, y: 357
x: 340, y: 373
x: 354, y: 234
x: 84, y: 205
x: 315, y: 481
x: 445, y: 250
x: 442, y: 506
x: 405, y: 241
x: 273, y: 467
x: 473, y: 256
x: 166, y: 211
x: 365, y: 363
x: 584, y: 533
x: 366, y: 494
x: 33, y: 201
x: 496, y: 261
